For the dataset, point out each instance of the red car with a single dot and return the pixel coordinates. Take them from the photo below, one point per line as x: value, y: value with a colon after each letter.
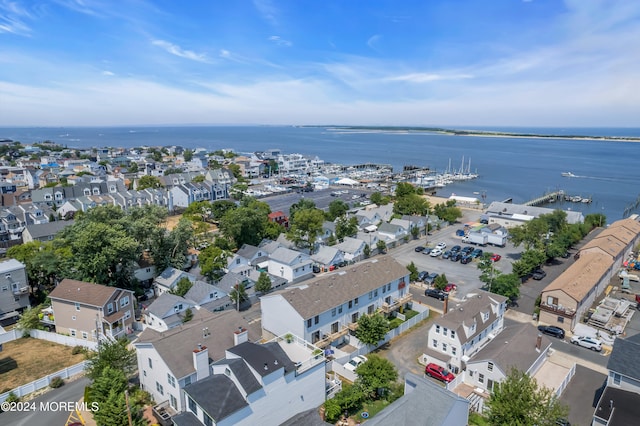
x: 437, y: 372
x: 496, y: 257
x: 450, y: 287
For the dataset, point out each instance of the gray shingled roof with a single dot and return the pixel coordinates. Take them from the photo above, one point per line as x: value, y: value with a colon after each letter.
x: 170, y: 276
x: 320, y: 294
x: 470, y: 311
x: 163, y: 306
x: 515, y: 346
x: 427, y: 404
x: 217, y: 395
x: 625, y: 357
x: 350, y: 245
x: 247, y: 251
x: 497, y: 208
x: 200, y: 292
x: 326, y: 255
x: 264, y: 359
x: 288, y: 256
x: 175, y: 346
x: 242, y: 373
x: 82, y: 292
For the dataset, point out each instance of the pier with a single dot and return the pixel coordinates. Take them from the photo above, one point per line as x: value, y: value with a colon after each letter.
x: 549, y: 197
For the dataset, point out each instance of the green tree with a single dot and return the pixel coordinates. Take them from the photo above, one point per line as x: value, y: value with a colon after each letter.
x: 595, y: 220
x: 148, y: 181
x: 507, y: 285
x: 198, y: 179
x: 302, y: 204
x: 30, y: 320
x: 114, y: 411
x: 263, y: 285
x: 337, y: 208
x: 238, y: 294
x: 519, y: 400
x: 212, y: 261
x: 376, y: 375
x: 237, y: 172
x: 183, y: 285
x: 307, y: 225
x: 220, y: 207
x: 413, y: 271
x: 411, y: 204
x: 381, y: 246
x: 372, y: 328
x: 415, y: 232
x: 133, y: 167
x: 187, y: 155
x: 114, y: 354
x: 346, y: 227
x: 173, y: 171
x: 441, y: 282
x: 448, y: 211
x: 403, y: 189
x: 529, y: 260
x: 109, y: 378
x: 188, y: 315
x: 244, y: 225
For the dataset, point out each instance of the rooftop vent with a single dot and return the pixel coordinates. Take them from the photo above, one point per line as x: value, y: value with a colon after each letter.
x: 266, y: 366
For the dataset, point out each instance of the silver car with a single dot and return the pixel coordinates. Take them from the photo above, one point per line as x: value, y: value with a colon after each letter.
x: 587, y: 342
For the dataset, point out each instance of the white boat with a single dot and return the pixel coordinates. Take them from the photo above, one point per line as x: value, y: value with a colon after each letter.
x: 568, y: 174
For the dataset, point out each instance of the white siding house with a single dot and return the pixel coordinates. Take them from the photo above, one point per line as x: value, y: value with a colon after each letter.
x: 290, y: 265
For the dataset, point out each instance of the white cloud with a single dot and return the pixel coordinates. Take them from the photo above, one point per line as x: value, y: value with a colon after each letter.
x: 427, y: 77
x: 267, y: 10
x: 13, y: 17
x: 180, y: 52
x: 280, y: 41
x: 373, y: 40
x: 108, y: 73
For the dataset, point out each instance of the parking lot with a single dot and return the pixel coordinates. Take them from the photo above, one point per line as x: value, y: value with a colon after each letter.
x: 466, y: 277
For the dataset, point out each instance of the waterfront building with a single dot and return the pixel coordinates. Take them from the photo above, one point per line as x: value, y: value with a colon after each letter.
x: 510, y: 215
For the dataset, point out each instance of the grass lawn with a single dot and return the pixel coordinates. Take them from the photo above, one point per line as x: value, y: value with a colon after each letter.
x: 372, y: 408
x: 27, y: 359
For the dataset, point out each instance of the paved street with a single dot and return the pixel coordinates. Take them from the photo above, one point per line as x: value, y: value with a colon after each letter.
x: 582, y: 395
x: 70, y: 392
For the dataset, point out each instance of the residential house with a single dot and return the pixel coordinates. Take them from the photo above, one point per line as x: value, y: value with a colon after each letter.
x: 44, y: 232
x: 167, y: 361
x: 419, y: 222
x: 207, y: 296
x: 444, y: 407
x: 464, y: 329
x: 328, y: 231
x: 81, y: 308
x: 619, y: 403
x: 169, y: 278
x: 167, y: 311
x: 392, y: 232
x: 14, y: 290
x: 248, y: 256
x: 290, y: 264
x: 352, y: 248
x: 280, y: 218
x: 256, y: 384
x: 327, y: 256
x: 519, y: 346
x: 323, y: 309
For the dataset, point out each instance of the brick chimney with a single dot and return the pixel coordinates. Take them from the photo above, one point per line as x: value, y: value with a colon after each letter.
x: 241, y: 335
x: 539, y: 342
x: 201, y: 362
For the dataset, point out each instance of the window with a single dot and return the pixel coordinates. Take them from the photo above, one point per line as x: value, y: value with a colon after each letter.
x: 453, y: 334
x: 173, y: 401
x: 350, y: 304
x: 340, y: 309
x: 435, y: 343
x: 375, y: 293
x: 370, y: 295
x: 309, y: 323
x: 616, y: 379
x: 150, y: 363
x: 384, y: 289
x: 552, y: 300
x: 85, y: 335
x: 73, y: 317
x: 187, y: 381
x: 444, y: 347
x: 192, y: 406
x: 144, y: 373
x: 72, y: 332
x: 445, y: 330
x: 77, y: 306
x: 481, y: 378
x: 453, y: 350
x: 316, y: 319
x: 124, y: 301
x: 490, y: 366
x: 355, y: 301
x: 333, y: 312
x: 370, y: 309
x: 227, y: 372
x: 5, y: 288
x: 560, y: 319
x: 437, y: 329
x: 389, y: 287
x: 127, y: 315
x: 171, y: 380
x: 110, y: 308
x: 208, y: 421
x: 485, y: 316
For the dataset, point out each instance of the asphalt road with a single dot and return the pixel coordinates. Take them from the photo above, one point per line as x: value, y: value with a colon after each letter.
x: 70, y: 392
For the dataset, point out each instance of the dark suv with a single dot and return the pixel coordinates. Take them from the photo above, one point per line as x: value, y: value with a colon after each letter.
x: 430, y: 279
x: 438, y: 294
x: 551, y: 331
x: 538, y: 274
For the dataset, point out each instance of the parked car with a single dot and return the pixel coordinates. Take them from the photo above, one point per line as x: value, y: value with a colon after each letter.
x: 441, y: 246
x: 551, y: 330
x: 438, y: 294
x: 467, y: 250
x: 355, y: 362
x: 438, y: 372
x: 426, y: 250
x: 466, y: 259
x: 446, y: 254
x: 476, y: 253
x: 496, y: 257
x: 450, y: 287
x: 455, y: 257
x: 435, y: 252
x: 419, y: 249
x: 422, y: 275
x: 456, y: 249
x: 316, y: 269
x: 587, y: 342
x: 431, y: 278
x: 460, y: 233
x: 538, y: 274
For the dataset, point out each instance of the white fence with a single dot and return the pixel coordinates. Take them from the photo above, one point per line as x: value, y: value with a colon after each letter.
x: 10, y: 336
x: 45, y: 381
x: 63, y: 340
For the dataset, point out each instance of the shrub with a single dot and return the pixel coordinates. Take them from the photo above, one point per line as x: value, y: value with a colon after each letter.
x: 56, y: 382
x: 77, y: 350
x: 12, y: 397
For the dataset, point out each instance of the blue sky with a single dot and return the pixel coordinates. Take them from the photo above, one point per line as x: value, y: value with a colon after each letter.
x: 422, y: 62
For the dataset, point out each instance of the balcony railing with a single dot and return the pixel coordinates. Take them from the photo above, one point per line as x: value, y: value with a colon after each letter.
x: 163, y: 413
x: 396, y: 304
x: 21, y: 290
x: 328, y: 338
x: 560, y: 310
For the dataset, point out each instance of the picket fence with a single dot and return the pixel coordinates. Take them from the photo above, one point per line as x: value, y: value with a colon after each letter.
x: 45, y: 381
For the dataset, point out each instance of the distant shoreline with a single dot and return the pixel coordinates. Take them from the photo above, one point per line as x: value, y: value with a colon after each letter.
x: 480, y: 133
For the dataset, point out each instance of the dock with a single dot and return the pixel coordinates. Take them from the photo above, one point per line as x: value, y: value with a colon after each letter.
x: 549, y: 197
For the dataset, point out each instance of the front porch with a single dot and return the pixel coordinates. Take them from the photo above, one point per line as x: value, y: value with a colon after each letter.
x: 395, y: 304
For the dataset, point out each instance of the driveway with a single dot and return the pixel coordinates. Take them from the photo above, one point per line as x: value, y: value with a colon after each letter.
x: 582, y: 395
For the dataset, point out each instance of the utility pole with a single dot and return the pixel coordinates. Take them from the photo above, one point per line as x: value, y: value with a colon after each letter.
x: 126, y: 399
